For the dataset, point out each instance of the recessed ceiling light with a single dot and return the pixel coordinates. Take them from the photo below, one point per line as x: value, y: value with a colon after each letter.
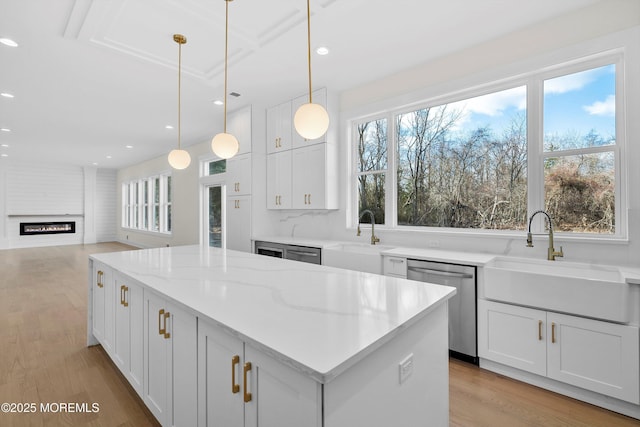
x: 6, y: 95
x: 168, y: 127
x: 128, y: 146
x: 4, y: 145
x: 108, y: 157
x: 218, y: 102
x: 95, y: 163
x: 4, y: 155
x: 5, y: 130
x: 8, y: 42
x: 322, y: 50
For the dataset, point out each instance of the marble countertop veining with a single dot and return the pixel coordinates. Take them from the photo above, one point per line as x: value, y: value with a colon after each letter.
x: 318, y: 319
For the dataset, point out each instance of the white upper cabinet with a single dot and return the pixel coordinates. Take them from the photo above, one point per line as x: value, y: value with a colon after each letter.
x: 301, y: 174
x: 239, y: 125
x: 319, y: 97
x: 279, y: 128
x: 279, y: 180
x: 239, y: 175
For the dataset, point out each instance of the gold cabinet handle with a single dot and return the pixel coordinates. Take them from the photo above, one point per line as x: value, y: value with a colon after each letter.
x: 247, y: 368
x: 553, y: 332
x: 309, y: 198
x: 235, y: 360
x: 122, y: 295
x: 160, y: 316
x: 167, y: 335
x: 125, y: 299
x: 539, y: 330
x: 305, y: 199
x: 100, y: 277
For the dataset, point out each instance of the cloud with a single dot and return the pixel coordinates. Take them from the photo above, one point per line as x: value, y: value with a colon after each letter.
x: 602, y: 108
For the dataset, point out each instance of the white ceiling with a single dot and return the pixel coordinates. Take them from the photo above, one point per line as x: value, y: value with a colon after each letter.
x: 93, y: 76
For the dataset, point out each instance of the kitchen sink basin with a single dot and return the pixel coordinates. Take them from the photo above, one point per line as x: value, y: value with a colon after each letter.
x: 576, y: 288
x: 355, y: 256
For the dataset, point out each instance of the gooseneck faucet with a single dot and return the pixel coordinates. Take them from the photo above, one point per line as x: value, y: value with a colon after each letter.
x: 374, y: 239
x: 551, y: 252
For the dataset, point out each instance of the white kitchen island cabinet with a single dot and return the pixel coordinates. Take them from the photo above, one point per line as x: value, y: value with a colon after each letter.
x: 238, y: 339
x: 171, y: 355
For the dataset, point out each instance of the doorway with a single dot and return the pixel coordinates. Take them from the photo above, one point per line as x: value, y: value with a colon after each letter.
x: 214, y: 215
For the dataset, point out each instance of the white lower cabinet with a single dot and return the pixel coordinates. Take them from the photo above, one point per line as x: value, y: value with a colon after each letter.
x: 103, y: 306
x: 129, y: 319
x: 241, y: 386
x: 170, y: 350
x: 599, y: 356
x: 394, y: 266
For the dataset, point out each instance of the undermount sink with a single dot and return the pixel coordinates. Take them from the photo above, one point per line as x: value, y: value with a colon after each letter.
x: 355, y: 256
x: 576, y: 288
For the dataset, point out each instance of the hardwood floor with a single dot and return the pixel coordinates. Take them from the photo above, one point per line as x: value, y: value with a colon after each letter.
x: 44, y: 359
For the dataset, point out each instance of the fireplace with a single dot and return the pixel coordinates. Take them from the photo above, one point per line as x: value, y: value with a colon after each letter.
x: 37, y: 228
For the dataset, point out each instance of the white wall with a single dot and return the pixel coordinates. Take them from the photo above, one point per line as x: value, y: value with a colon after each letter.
x: 49, y: 193
x: 605, y: 26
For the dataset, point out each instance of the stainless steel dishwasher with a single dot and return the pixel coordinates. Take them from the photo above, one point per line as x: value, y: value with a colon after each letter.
x: 462, y: 307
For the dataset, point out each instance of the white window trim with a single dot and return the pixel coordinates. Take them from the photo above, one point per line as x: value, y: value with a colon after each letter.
x: 535, y: 152
x: 133, y: 209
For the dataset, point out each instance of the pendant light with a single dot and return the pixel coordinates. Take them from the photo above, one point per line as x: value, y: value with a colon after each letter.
x: 179, y: 158
x: 225, y: 145
x: 311, y: 120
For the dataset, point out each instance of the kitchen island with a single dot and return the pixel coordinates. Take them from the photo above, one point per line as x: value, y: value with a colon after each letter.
x: 208, y: 336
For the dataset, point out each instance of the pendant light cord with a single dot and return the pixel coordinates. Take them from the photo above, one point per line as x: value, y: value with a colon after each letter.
x: 179, y: 89
x: 226, y: 53
x: 309, y: 48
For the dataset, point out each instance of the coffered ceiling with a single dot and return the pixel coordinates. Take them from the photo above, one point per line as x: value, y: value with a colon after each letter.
x: 91, y: 77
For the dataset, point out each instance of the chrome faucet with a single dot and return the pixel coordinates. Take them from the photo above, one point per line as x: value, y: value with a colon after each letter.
x: 551, y: 252
x: 374, y: 239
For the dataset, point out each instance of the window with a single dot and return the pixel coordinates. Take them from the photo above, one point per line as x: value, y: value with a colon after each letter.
x: 147, y: 204
x: 372, y: 168
x: 580, y: 150
x: 547, y: 140
x: 463, y: 164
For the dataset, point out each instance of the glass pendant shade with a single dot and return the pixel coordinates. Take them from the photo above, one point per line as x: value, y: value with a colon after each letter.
x: 225, y: 145
x: 179, y: 159
x: 311, y: 121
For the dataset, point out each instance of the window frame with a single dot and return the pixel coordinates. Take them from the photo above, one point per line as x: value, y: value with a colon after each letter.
x: 139, y: 206
x: 534, y: 82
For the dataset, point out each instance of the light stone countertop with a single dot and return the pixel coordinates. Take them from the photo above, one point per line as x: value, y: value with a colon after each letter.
x: 319, y: 320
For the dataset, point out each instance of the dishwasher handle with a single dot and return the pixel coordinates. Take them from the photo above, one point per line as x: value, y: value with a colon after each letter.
x: 442, y: 273
x: 303, y: 253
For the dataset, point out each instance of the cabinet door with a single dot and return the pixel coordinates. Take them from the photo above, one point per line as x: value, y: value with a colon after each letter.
x: 171, y: 355
x: 279, y: 180
x: 98, y: 301
x: 595, y: 355
x: 239, y: 125
x: 279, y: 128
x: 309, y: 177
x: 128, y: 342
x: 157, y: 381
x: 220, y: 358
x: 109, y: 311
x: 512, y: 335
x: 183, y: 366
x: 239, y: 175
x: 238, y: 221
x: 319, y: 97
x: 280, y: 396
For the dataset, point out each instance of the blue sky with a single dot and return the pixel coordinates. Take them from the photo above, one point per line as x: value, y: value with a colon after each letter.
x: 576, y: 103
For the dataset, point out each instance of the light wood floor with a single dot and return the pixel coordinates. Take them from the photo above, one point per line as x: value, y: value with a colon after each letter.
x: 44, y: 359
